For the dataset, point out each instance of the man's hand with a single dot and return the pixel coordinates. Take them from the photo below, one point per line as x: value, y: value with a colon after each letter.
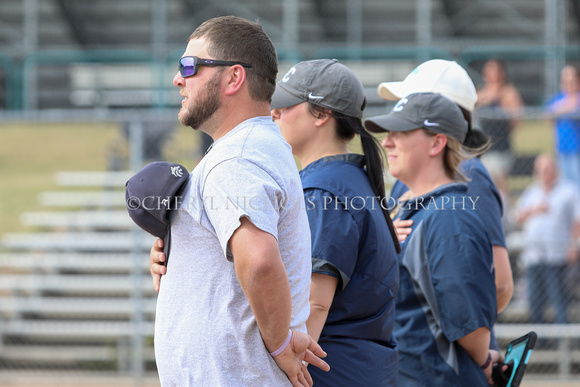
x: 263, y: 278
x: 156, y: 260
x: 403, y: 228
x: 302, y: 349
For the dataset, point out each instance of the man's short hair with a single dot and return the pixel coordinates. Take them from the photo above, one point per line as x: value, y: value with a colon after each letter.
x: 236, y: 39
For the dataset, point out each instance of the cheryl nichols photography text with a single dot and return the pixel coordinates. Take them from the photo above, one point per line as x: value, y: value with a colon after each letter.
x: 356, y: 203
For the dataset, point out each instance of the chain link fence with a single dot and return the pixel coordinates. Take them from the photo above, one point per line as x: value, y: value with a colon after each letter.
x: 541, y: 221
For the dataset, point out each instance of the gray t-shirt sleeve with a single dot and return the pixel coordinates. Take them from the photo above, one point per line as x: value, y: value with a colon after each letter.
x: 238, y: 188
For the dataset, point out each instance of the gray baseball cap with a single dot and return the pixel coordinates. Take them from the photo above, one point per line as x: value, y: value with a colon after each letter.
x: 324, y: 82
x: 422, y: 110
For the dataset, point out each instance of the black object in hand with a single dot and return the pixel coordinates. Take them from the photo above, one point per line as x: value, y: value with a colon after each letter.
x: 500, y: 377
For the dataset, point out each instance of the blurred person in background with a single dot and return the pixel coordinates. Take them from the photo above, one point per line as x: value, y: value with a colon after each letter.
x: 318, y: 106
x: 452, y: 81
x: 499, y: 103
x: 446, y: 304
x: 234, y: 302
x: 565, y: 108
x: 549, y: 211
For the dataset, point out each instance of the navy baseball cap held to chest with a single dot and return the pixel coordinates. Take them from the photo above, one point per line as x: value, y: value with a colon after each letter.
x: 151, y: 194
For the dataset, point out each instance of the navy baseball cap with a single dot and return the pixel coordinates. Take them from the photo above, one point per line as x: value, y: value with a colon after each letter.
x: 151, y: 194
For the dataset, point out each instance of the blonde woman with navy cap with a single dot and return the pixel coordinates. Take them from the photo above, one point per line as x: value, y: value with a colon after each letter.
x: 446, y: 305
x: 318, y: 106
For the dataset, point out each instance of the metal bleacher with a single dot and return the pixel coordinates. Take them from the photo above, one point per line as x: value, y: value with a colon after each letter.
x: 75, y: 292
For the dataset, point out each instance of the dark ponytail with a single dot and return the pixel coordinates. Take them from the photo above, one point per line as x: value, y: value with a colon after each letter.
x: 346, y: 128
x: 475, y: 139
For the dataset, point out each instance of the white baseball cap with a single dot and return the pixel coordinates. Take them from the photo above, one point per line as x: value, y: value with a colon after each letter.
x: 434, y: 76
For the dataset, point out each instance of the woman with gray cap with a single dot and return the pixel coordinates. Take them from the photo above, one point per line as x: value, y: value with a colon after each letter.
x: 318, y: 106
x: 446, y: 305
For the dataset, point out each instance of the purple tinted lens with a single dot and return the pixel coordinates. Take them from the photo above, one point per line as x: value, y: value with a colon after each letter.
x: 187, y: 67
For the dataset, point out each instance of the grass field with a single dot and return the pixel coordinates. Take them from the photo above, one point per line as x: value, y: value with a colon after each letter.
x: 31, y: 154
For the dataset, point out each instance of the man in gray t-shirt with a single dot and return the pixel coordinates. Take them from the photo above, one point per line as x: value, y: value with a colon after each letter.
x: 246, y: 176
x: 233, y: 301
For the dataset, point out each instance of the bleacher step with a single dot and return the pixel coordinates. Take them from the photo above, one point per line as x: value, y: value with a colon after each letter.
x: 75, y: 330
x: 102, y: 285
x: 91, y: 220
x: 101, y: 179
x: 85, y: 199
x: 77, y: 262
x: 79, y: 241
x: 75, y: 307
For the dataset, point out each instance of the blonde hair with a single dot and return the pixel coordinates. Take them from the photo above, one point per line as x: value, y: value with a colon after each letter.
x: 455, y: 153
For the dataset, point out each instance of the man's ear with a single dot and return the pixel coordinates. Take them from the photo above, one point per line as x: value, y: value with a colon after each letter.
x: 235, y: 77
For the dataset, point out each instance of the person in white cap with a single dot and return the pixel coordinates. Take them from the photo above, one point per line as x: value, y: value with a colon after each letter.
x: 437, y: 76
x: 452, y: 81
x: 446, y: 305
x: 318, y: 105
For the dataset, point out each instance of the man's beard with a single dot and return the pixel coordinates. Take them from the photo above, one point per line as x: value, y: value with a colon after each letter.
x: 208, y: 102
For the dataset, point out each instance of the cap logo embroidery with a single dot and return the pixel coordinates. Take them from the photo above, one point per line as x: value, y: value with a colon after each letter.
x: 399, y: 106
x: 427, y: 123
x: 176, y: 171
x: 165, y: 202
x: 289, y: 74
x: 310, y: 96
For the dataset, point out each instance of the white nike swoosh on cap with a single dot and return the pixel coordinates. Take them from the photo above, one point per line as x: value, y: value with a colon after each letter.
x: 315, y: 96
x: 427, y: 123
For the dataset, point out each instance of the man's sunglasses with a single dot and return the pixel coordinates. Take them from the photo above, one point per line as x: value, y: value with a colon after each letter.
x: 188, y: 65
